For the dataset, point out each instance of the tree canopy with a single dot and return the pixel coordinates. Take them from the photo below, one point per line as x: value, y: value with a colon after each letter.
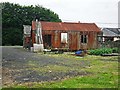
x: 14, y: 16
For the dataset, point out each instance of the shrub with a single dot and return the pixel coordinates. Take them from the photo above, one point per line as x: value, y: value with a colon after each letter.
x: 115, y: 50
x: 103, y: 51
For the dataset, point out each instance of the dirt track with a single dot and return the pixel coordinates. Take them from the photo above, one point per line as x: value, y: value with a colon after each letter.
x: 19, y: 66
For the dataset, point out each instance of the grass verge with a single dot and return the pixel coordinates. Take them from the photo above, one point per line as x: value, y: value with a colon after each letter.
x: 104, y: 75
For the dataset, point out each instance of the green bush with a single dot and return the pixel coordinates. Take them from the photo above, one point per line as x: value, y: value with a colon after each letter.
x: 115, y: 50
x: 103, y: 51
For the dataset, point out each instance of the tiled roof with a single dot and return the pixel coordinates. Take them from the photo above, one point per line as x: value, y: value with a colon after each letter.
x: 66, y: 26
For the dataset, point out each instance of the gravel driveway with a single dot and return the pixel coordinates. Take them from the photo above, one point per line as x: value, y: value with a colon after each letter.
x: 20, y: 66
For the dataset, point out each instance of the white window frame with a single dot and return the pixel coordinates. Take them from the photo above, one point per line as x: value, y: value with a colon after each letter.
x: 64, y: 37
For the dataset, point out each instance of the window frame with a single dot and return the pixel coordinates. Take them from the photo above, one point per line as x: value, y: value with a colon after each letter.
x: 84, y: 38
x: 62, y: 38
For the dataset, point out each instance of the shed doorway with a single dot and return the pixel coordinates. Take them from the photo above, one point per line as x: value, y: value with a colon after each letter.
x: 47, y: 41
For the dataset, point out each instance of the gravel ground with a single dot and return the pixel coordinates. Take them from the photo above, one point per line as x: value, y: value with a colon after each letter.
x: 20, y: 66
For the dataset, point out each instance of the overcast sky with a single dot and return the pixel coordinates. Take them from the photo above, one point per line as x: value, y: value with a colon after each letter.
x: 102, y: 12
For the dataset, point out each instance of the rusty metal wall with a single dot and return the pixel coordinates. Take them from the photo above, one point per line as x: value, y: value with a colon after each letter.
x: 33, y: 32
x: 33, y: 25
x: 33, y: 37
x: 92, y: 40
x: 74, y: 39
x: 26, y: 42
x: 55, y: 38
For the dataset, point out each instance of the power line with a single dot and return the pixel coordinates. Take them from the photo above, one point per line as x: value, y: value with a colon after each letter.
x: 91, y: 22
x: 106, y: 23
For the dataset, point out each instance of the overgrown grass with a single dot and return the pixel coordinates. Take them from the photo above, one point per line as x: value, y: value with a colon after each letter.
x: 104, y: 74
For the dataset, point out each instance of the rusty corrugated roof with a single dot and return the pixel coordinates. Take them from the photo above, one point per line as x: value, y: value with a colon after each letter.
x: 69, y: 26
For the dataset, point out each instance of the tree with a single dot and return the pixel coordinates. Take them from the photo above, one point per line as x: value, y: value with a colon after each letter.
x: 15, y: 16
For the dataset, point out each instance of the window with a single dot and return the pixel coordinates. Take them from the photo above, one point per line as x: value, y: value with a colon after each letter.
x: 84, y: 38
x: 47, y: 41
x: 64, y: 37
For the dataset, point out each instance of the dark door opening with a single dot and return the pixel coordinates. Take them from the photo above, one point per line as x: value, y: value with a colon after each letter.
x: 47, y: 41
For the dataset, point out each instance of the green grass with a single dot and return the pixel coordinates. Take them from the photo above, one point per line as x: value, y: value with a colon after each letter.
x: 104, y: 74
x: 94, y: 81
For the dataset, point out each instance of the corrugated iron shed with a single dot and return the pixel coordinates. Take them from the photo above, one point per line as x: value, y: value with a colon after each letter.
x: 52, y: 34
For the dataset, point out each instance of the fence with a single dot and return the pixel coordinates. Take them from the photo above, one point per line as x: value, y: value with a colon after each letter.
x: 109, y: 44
